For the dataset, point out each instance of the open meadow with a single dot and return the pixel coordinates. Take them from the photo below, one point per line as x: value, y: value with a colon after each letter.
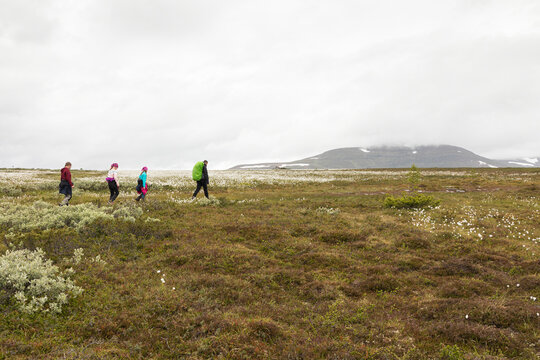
x: 279, y: 264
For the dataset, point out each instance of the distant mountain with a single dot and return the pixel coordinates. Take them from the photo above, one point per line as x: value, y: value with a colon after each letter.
x: 440, y: 156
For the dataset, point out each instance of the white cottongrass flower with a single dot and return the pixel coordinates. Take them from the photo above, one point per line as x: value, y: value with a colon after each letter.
x: 467, y: 316
x: 163, y: 280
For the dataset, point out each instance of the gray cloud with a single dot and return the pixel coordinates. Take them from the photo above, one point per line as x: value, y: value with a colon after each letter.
x: 166, y: 83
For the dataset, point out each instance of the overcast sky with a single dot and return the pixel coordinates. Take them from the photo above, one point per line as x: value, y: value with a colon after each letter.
x: 168, y: 83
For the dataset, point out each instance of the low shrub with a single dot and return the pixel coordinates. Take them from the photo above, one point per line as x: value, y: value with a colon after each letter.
x: 12, y: 191
x: 503, y: 341
x: 377, y: 283
x: 91, y: 184
x: 451, y: 353
x: 265, y: 330
x: 530, y: 282
x: 465, y: 288
x: 328, y: 211
x: 105, y: 230
x: 212, y: 201
x: 411, y: 202
x: 339, y: 237
x: 412, y: 264
x: 455, y: 267
x: 303, y: 231
x: 41, y: 215
x: 413, y: 239
x: 34, y: 282
x: 128, y: 213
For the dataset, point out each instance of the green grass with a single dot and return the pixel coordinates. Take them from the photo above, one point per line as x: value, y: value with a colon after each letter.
x: 264, y: 273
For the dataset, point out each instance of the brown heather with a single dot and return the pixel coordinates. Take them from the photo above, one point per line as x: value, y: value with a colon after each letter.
x: 295, y: 265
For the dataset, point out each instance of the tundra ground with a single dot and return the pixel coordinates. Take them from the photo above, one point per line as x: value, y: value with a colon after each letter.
x: 283, y: 265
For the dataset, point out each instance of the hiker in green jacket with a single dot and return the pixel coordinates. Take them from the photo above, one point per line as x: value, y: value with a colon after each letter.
x: 200, y: 175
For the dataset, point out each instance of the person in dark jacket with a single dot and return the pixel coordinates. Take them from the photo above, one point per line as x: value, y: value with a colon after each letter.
x: 203, y: 183
x: 66, y: 185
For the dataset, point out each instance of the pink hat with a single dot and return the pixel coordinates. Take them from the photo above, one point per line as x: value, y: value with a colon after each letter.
x: 114, y: 165
x: 145, y: 169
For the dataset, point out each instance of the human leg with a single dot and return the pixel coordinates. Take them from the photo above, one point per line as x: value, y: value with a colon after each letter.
x: 205, y: 188
x: 199, y: 185
x: 113, y: 187
x: 66, y: 199
x: 111, y: 190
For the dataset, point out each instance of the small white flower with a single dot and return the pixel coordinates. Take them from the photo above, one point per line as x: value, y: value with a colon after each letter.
x: 467, y: 316
x: 174, y: 288
x: 507, y: 286
x: 158, y: 271
x: 163, y: 280
x: 517, y: 285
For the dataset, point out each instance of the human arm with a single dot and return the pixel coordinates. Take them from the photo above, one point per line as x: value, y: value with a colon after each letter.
x: 68, y: 177
x: 205, y: 175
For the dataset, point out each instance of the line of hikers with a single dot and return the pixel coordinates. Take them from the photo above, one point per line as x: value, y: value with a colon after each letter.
x: 199, y: 174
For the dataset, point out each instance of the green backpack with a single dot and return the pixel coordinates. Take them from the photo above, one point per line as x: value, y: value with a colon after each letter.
x: 197, y: 171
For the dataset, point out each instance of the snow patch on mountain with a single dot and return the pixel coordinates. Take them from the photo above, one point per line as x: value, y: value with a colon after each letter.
x: 297, y: 164
x: 485, y: 163
x: 520, y: 163
x: 254, y: 166
x: 364, y: 150
x: 531, y: 160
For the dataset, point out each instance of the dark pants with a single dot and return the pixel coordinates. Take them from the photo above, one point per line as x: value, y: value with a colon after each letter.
x: 66, y: 190
x: 201, y: 184
x: 113, y: 188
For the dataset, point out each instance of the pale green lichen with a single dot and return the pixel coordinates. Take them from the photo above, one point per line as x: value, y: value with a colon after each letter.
x: 41, y: 215
x: 35, y: 283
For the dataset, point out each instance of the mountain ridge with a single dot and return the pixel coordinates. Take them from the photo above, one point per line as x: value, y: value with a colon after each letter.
x: 425, y: 156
